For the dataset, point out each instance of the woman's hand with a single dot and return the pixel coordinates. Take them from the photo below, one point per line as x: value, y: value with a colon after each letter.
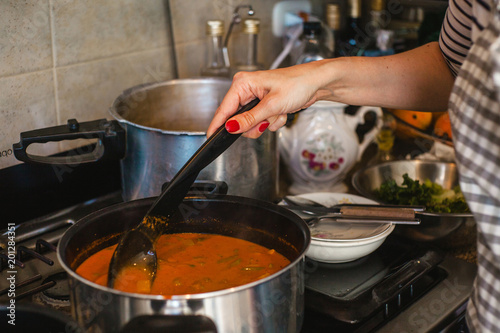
x: 280, y: 91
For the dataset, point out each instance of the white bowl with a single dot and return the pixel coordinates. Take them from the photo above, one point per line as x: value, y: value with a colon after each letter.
x: 338, y: 242
x: 331, y: 251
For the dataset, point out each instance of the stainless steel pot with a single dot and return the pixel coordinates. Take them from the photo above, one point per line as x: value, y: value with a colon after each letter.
x: 273, y: 304
x: 165, y: 123
x: 451, y: 229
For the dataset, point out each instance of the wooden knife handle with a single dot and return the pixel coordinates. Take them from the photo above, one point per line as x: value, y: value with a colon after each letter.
x: 380, y: 212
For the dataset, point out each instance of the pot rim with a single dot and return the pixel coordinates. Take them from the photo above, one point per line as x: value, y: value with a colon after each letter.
x: 153, y: 85
x: 74, y: 228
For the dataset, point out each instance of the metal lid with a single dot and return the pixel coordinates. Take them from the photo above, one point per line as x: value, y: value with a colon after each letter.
x: 215, y: 28
x: 251, y: 26
x: 333, y: 16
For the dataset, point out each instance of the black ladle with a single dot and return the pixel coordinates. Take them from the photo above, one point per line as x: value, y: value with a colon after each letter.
x: 137, y: 246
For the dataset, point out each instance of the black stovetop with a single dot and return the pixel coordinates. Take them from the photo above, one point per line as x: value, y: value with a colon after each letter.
x: 28, y: 191
x: 362, y: 295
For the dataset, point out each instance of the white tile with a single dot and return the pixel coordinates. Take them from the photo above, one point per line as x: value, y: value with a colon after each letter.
x: 190, y: 58
x: 26, y: 103
x: 25, y: 42
x: 96, y: 29
x: 189, y: 17
x: 86, y: 91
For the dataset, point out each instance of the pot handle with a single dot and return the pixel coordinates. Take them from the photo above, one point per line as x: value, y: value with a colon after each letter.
x: 109, y: 134
x: 406, y: 276
x: 170, y: 323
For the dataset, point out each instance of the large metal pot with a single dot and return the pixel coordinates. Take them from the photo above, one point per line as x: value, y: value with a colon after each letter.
x: 273, y: 304
x: 165, y: 123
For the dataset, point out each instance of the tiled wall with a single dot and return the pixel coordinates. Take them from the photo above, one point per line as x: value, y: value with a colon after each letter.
x: 62, y: 59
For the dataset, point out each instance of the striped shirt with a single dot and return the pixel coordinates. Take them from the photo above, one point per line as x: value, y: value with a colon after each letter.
x: 463, y: 22
x: 470, y: 42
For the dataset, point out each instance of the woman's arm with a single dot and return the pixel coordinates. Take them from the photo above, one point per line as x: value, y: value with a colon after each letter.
x: 418, y: 79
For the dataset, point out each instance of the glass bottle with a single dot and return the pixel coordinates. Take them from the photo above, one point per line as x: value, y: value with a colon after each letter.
x: 312, y: 45
x: 380, y: 38
x: 353, y: 40
x: 385, y: 140
x: 214, y: 62
x: 376, y: 15
x: 251, y: 28
x: 333, y: 22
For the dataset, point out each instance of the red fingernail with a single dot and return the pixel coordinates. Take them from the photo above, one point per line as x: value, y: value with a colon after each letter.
x: 232, y: 126
x: 263, y: 127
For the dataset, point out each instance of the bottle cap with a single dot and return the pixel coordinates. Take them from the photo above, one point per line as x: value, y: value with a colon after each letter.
x: 377, y: 5
x: 251, y: 26
x: 355, y: 8
x: 215, y: 28
x: 333, y: 16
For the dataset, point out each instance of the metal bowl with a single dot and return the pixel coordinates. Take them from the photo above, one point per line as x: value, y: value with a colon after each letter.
x: 433, y: 226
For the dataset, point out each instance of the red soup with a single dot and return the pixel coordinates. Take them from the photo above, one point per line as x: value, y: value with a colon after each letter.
x: 190, y: 263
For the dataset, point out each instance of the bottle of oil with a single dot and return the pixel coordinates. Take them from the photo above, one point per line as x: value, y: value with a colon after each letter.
x: 385, y: 140
x: 214, y: 62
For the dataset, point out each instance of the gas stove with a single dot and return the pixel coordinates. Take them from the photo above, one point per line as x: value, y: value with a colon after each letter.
x: 401, y: 287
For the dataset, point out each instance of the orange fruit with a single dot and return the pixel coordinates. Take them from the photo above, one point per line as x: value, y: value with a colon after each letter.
x: 442, y: 126
x: 418, y: 119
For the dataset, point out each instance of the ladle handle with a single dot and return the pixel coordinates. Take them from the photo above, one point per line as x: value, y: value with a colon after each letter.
x: 212, y: 148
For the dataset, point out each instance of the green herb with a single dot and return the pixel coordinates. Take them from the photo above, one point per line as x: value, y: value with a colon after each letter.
x: 429, y: 194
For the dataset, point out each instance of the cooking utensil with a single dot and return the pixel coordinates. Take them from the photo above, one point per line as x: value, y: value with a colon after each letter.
x: 137, y: 246
x: 353, y: 213
x: 433, y: 226
x: 155, y: 129
x: 236, y: 309
x: 312, y: 221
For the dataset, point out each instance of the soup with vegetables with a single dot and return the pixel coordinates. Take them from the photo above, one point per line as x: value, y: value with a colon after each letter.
x: 190, y: 263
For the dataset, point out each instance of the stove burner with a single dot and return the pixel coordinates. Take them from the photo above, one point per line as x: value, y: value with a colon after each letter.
x: 57, y: 296
x: 60, y: 291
